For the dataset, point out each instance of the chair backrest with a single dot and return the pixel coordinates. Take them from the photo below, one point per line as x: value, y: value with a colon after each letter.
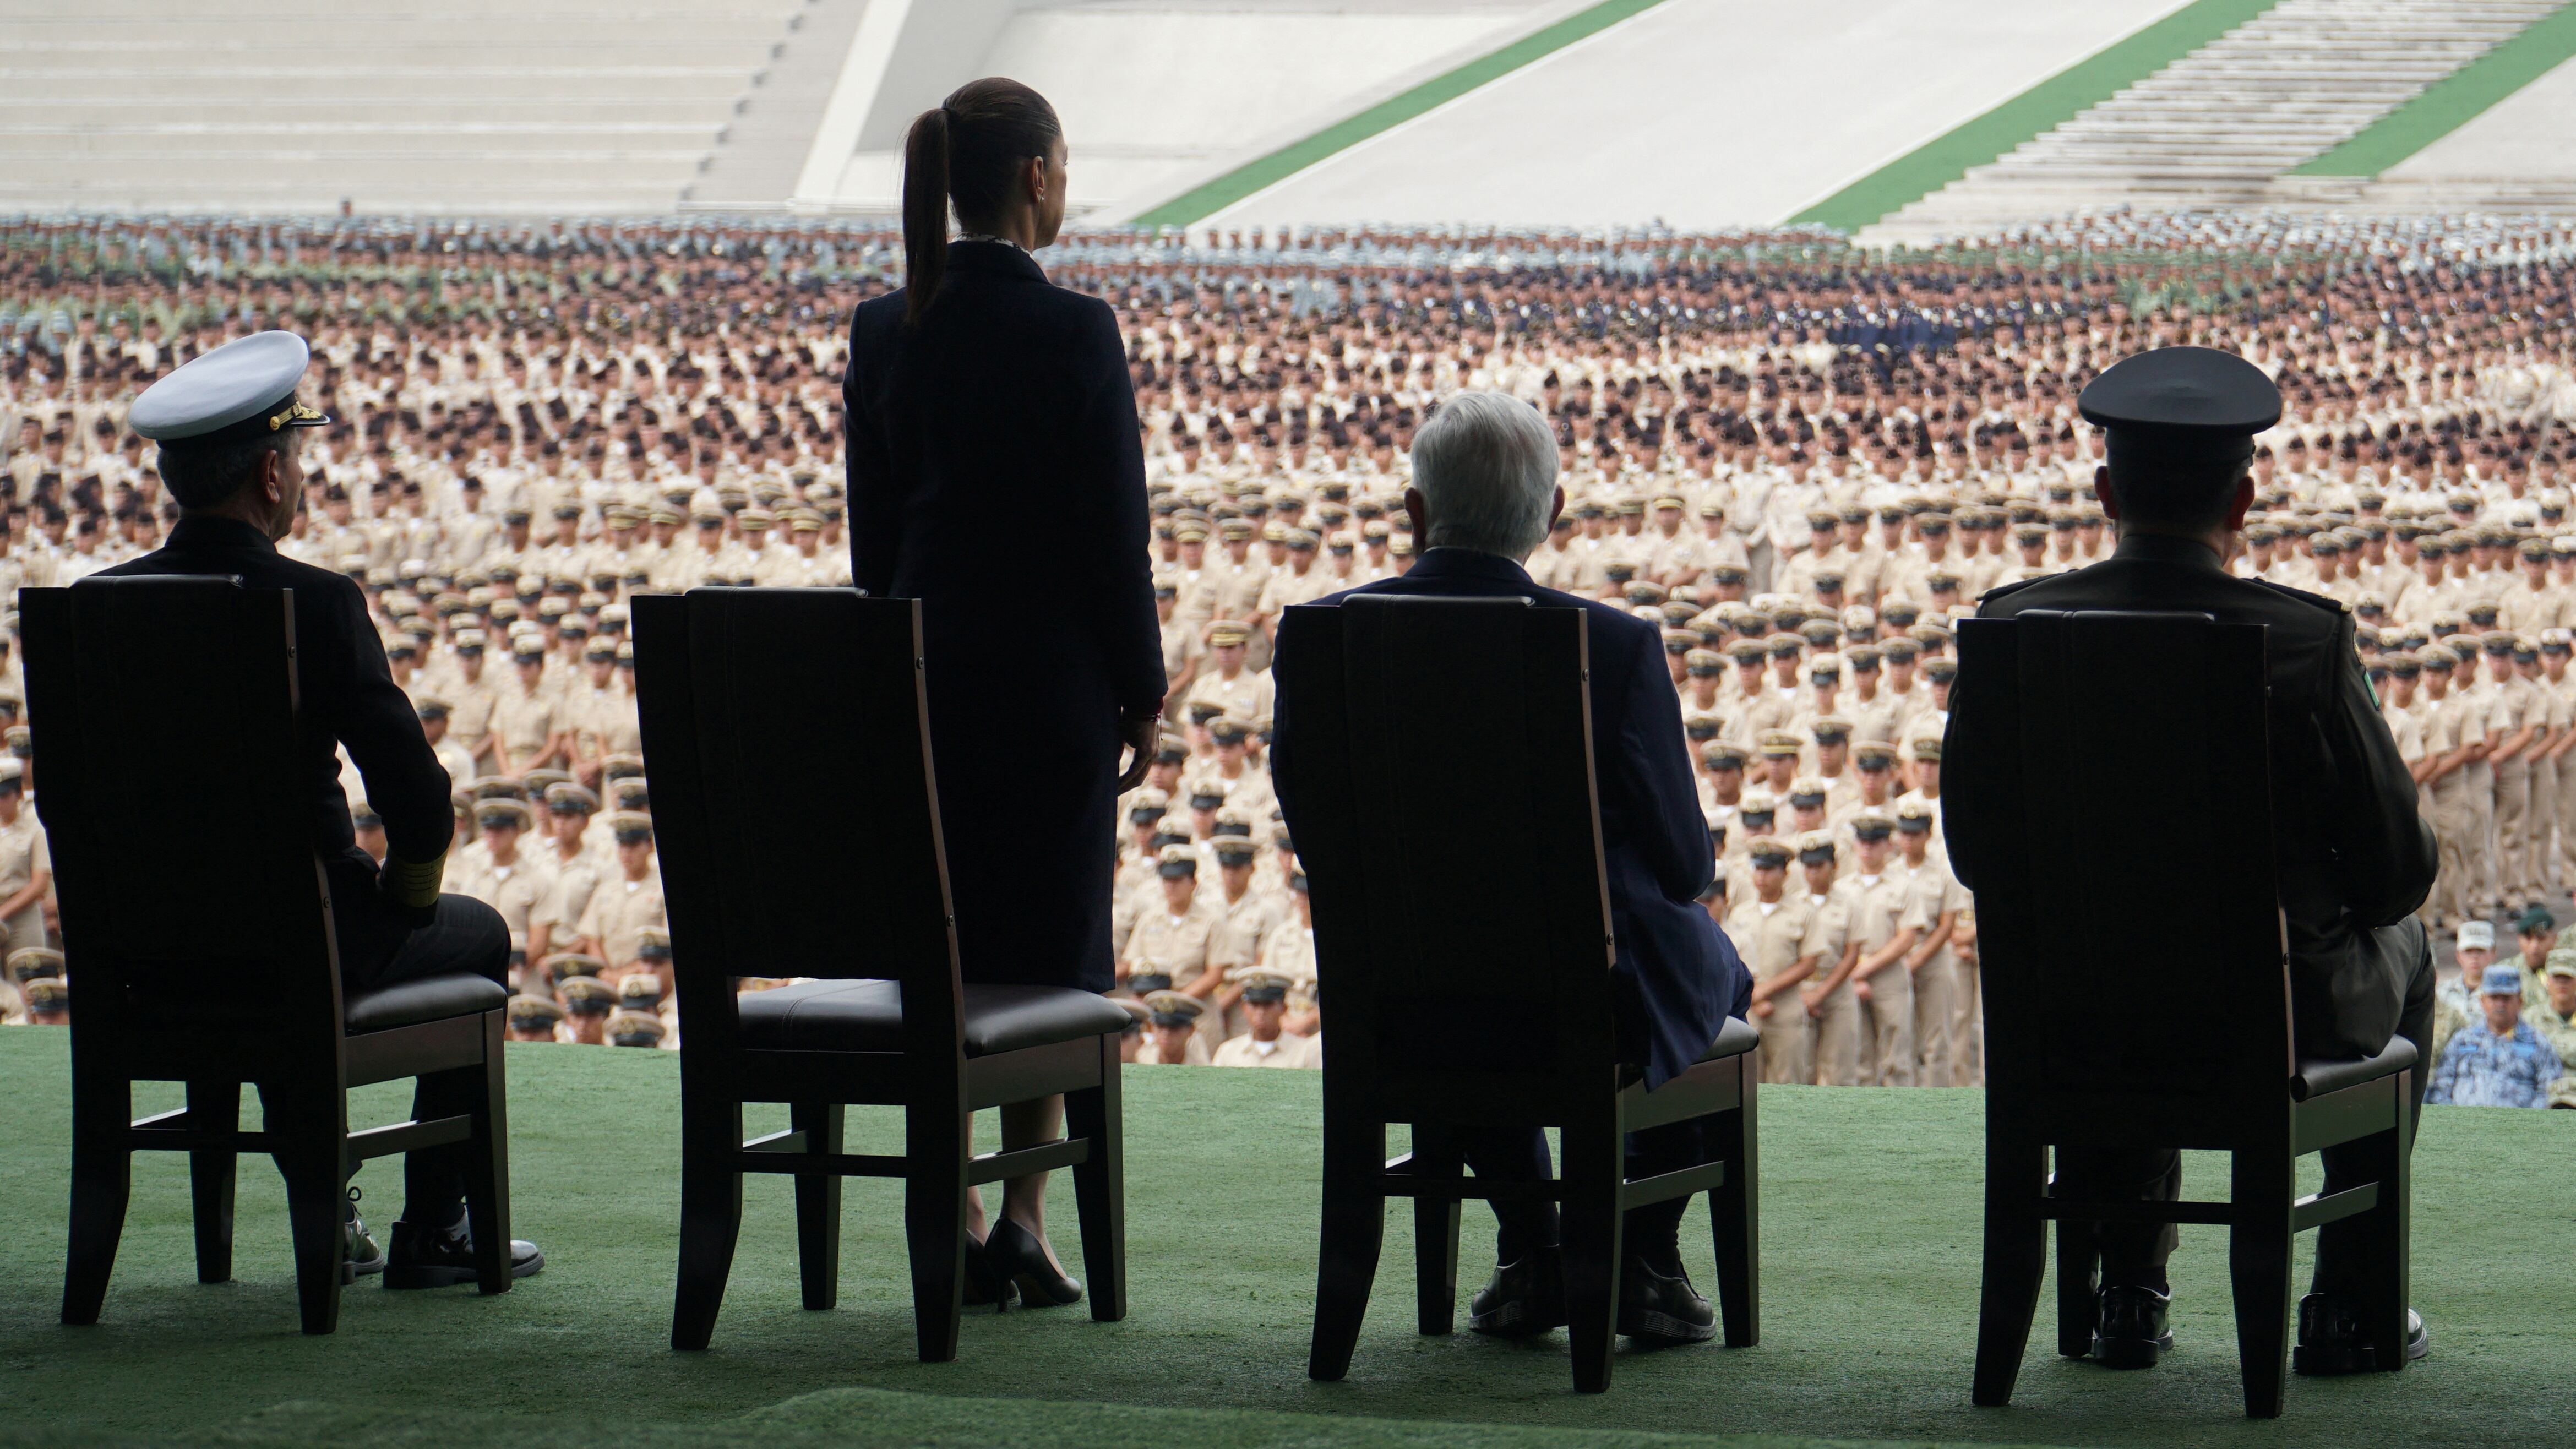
x: 2128, y: 918
x: 787, y: 737
x: 164, y: 714
x: 1447, y: 823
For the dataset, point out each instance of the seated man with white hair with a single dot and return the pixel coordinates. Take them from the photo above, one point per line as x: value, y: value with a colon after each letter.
x: 1484, y: 496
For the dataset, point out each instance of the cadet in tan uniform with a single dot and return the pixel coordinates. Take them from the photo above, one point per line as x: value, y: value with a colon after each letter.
x: 1836, y: 945
x: 1770, y: 929
x: 1886, y: 922
x: 587, y: 1002
x: 1940, y: 986
x: 1245, y: 917
x: 1169, y: 946
x: 1171, y: 1036
x: 1228, y: 683
x: 26, y: 865
x: 621, y: 908
x: 495, y: 871
x: 1262, y: 1043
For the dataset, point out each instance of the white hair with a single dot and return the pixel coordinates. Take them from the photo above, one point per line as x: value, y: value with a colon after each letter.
x: 1486, y: 465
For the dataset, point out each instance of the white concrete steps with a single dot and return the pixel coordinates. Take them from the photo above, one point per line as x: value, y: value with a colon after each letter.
x: 2221, y: 125
x: 444, y: 105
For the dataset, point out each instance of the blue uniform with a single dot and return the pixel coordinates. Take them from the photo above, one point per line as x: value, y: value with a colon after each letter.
x: 2480, y: 1069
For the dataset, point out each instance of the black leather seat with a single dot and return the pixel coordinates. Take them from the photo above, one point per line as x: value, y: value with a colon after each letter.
x: 433, y: 998
x: 867, y: 1016
x: 2316, y: 1078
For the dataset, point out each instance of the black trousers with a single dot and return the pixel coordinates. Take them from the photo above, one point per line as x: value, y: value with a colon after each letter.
x: 380, y: 948
x: 1519, y: 1154
x: 2134, y: 1254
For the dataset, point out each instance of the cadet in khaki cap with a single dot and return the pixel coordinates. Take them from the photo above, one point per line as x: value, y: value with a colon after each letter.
x: 587, y: 1002
x: 1172, y: 1037
x: 1265, y: 1006
x: 633, y: 1029
x: 1170, y: 944
x: 533, y: 1018
x: 1769, y: 925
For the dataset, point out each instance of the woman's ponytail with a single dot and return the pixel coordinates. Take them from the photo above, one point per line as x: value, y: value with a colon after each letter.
x: 925, y: 210
x: 969, y: 150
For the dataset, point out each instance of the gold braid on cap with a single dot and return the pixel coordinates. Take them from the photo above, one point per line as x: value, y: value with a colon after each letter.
x: 296, y: 412
x: 415, y: 884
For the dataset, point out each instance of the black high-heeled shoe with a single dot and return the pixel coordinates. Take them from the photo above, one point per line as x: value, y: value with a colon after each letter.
x: 985, y: 1282
x: 1016, y: 1254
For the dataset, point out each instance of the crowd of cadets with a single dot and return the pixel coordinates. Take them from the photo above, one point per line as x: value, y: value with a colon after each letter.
x: 1803, y: 460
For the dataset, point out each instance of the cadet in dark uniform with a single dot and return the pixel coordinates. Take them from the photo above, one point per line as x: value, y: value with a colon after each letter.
x: 2355, y: 858
x: 228, y: 424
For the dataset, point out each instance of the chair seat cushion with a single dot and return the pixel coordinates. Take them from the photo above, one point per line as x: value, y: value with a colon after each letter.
x: 1734, y: 1039
x: 2317, y: 1078
x: 867, y: 1016
x: 432, y: 998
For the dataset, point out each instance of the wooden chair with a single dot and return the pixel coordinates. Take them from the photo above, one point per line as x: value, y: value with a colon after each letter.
x: 198, y: 919
x: 787, y: 736
x: 1452, y: 843
x: 2136, y: 974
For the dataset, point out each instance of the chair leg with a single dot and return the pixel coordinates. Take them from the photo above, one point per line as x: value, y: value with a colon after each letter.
x: 2258, y: 1266
x: 1098, y: 1116
x: 487, y: 1162
x: 1435, y: 1232
x: 308, y: 1131
x: 1353, y: 1232
x: 710, y: 1217
x: 2079, y: 1276
x: 1735, y: 1213
x: 2393, y: 1226
x: 2016, y: 1259
x: 934, y: 1222
x: 213, y: 1107
x: 102, y: 1181
x: 1592, y: 1173
x: 818, y: 1205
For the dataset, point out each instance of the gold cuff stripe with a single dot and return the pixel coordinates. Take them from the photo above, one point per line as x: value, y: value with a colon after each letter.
x: 415, y: 883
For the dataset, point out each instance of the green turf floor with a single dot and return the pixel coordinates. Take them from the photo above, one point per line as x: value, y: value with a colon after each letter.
x: 1869, y: 1263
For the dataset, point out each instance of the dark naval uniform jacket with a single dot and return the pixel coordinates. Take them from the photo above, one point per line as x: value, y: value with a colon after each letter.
x: 347, y: 697
x: 2354, y: 855
x: 1677, y: 977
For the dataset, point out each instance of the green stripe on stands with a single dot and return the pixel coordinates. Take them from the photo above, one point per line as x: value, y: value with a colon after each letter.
x: 1279, y: 165
x: 2044, y: 107
x: 2453, y: 101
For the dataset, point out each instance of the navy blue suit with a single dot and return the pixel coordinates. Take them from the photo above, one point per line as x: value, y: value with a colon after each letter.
x: 1676, y: 976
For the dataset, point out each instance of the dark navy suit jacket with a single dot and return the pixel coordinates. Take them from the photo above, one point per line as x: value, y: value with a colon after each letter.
x: 1678, y: 976
x: 1010, y: 403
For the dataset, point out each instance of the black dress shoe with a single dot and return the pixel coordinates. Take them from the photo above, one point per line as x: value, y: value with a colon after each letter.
x: 1523, y: 1298
x: 2332, y: 1340
x: 1016, y: 1254
x: 1659, y: 1308
x: 985, y: 1285
x: 359, y: 1254
x: 442, y: 1258
x: 2131, y: 1331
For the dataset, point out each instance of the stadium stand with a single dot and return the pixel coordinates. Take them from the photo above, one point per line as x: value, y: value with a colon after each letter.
x: 445, y: 105
x: 2217, y: 127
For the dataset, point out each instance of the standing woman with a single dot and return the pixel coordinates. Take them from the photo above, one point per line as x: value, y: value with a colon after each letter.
x: 997, y: 476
